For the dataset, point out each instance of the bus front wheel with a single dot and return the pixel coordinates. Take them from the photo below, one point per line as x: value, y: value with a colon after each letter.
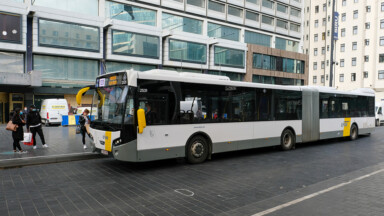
x: 287, y: 140
x: 197, y: 150
x: 354, y: 132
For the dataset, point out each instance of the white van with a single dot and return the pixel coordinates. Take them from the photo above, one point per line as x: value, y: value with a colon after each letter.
x: 52, y: 111
x: 379, y: 113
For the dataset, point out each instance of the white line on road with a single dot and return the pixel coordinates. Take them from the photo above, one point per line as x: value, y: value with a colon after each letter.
x: 293, y: 202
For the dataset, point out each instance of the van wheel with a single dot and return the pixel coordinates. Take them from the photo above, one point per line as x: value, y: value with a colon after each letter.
x: 354, y: 132
x: 287, y: 140
x: 377, y: 122
x: 197, y: 150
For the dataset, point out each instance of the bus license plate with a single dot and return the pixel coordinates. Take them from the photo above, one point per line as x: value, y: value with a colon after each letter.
x: 104, y: 152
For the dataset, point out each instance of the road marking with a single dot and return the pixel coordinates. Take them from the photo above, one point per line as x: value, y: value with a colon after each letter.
x: 293, y: 202
x: 185, y: 192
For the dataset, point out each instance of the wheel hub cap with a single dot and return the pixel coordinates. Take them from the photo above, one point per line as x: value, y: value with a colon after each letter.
x: 287, y: 140
x: 197, y: 149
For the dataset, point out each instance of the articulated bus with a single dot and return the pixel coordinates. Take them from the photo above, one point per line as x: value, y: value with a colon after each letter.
x: 160, y: 114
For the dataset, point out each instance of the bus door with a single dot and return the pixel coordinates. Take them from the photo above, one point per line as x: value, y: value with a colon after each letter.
x: 311, y: 122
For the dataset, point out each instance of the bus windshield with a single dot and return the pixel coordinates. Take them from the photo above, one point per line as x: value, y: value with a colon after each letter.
x: 114, y: 104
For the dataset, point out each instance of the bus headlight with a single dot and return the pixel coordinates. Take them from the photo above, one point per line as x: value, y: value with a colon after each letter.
x: 117, y: 142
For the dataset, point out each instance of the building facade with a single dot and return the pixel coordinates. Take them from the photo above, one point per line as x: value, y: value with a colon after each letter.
x: 358, y: 51
x: 51, y: 48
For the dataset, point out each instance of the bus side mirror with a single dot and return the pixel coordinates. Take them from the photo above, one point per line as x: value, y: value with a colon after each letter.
x: 141, y: 120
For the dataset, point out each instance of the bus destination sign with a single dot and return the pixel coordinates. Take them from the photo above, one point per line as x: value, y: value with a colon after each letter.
x: 112, y: 80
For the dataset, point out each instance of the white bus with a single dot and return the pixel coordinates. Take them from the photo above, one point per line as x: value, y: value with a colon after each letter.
x: 236, y: 115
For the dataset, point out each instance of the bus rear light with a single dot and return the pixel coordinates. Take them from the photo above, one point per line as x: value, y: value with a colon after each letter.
x: 47, y: 115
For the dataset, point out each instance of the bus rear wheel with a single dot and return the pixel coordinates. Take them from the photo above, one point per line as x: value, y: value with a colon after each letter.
x: 354, y: 132
x: 288, y: 140
x: 197, y: 150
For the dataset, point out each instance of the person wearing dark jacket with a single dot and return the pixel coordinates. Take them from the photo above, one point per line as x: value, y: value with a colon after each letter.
x: 18, y: 135
x: 34, y: 125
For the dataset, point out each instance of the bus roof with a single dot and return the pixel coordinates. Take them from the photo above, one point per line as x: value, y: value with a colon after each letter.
x: 168, y: 75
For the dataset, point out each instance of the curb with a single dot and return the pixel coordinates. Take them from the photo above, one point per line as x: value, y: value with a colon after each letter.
x: 19, y: 162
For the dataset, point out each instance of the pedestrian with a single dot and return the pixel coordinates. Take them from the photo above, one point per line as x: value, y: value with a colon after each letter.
x: 18, y: 135
x: 34, y: 125
x: 84, y: 125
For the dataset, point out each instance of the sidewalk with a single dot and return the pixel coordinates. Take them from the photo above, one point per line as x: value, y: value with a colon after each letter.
x: 64, y: 145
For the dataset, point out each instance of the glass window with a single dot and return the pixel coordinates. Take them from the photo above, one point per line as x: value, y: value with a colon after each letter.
x: 322, y: 79
x: 322, y: 64
x: 253, y: 1
x: 10, y: 28
x: 382, y: 23
x: 179, y: 23
x: 314, y: 65
x: 353, y: 77
x: 381, y: 58
x: 316, y: 23
x: 229, y: 57
x: 353, y: 61
x: 355, y: 14
x: 342, y: 47
x: 224, y: 32
x: 87, y: 7
x: 343, y: 17
x: 257, y: 38
x: 282, y: 24
x: 235, y: 11
x: 366, y: 58
x: 316, y: 37
x: 368, y: 9
x: 381, y: 74
x: 341, y: 62
x: 216, y: 6
x: 315, y: 52
x: 257, y: 60
x: 267, y: 20
x: 341, y: 78
x: 382, y: 6
x: 198, y: 3
x: 314, y: 79
x: 295, y: 12
x: 367, y: 25
x: 344, y: 2
x: 187, y: 51
x: 130, y: 13
x: 61, y: 68
x: 365, y: 74
x: 68, y: 35
x: 128, y: 43
x: 11, y: 62
x: 288, y: 45
x: 281, y: 8
x: 120, y: 66
x: 381, y: 41
x: 267, y: 3
x: 354, y: 45
x: 343, y: 32
x: 354, y: 30
x: 294, y: 27
x: 252, y: 16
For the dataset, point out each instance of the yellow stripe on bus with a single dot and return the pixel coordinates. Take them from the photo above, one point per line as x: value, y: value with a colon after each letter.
x: 347, y: 127
x: 108, y: 141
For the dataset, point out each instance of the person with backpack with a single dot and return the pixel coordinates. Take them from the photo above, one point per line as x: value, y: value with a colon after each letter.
x: 84, y: 122
x: 18, y: 135
x: 34, y: 125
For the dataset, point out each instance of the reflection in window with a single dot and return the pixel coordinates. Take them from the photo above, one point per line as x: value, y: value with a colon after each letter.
x: 87, y: 7
x: 128, y: 43
x: 288, y: 45
x: 178, y: 23
x: 187, y: 51
x: 69, y: 35
x: 61, y: 68
x: 130, y: 13
x: 224, y: 32
x: 11, y: 62
x: 216, y: 6
x: 257, y: 38
x: 229, y: 57
x: 119, y: 66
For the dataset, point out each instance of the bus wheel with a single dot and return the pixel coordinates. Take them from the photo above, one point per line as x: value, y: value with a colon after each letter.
x: 197, y: 150
x: 354, y: 132
x: 287, y: 140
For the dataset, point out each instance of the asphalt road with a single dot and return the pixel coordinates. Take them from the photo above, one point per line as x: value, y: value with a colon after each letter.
x: 333, y: 177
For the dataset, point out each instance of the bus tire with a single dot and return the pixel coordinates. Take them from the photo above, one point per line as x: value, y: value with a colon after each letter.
x: 197, y: 150
x: 354, y: 132
x: 287, y: 140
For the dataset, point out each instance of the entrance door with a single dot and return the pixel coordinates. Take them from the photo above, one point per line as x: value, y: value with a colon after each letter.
x: 16, y: 100
x: 3, y: 107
